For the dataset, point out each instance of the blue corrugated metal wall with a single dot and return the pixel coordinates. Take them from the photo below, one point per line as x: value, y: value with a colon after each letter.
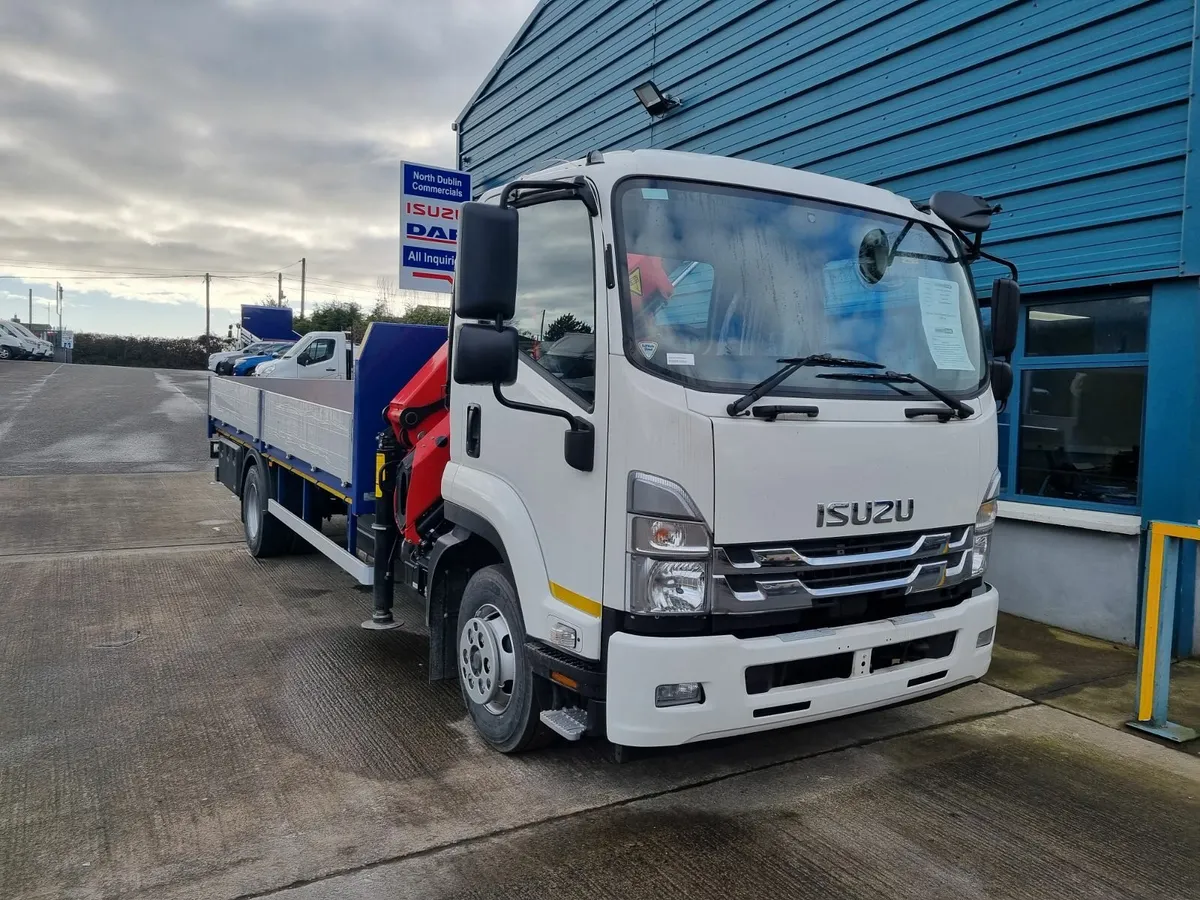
x: 1072, y: 114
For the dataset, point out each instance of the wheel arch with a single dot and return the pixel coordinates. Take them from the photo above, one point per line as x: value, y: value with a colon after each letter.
x: 489, y: 506
x: 456, y: 556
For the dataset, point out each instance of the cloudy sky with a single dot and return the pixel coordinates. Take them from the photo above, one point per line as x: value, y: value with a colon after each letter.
x: 156, y: 137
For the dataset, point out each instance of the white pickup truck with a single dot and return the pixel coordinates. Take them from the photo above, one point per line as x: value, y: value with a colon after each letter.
x: 319, y: 354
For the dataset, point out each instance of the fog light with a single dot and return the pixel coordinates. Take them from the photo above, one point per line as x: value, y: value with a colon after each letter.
x: 985, y: 637
x: 678, y: 694
x: 564, y: 635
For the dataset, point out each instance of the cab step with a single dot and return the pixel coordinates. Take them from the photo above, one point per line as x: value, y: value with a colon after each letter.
x: 569, y: 723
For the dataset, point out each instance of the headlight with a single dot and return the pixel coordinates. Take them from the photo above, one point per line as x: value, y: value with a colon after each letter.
x: 985, y: 520
x: 669, y: 536
x: 669, y: 549
x: 668, y: 586
x: 264, y: 369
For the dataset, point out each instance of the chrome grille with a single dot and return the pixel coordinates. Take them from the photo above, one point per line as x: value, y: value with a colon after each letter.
x: 804, y: 574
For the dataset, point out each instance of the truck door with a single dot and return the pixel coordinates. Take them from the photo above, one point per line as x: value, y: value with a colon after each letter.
x: 319, y: 359
x: 558, y: 320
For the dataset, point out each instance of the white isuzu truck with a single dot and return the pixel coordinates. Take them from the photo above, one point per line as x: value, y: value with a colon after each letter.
x: 711, y: 450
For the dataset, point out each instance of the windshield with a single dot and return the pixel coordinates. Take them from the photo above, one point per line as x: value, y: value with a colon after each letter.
x: 295, y: 349
x: 21, y: 331
x: 718, y: 283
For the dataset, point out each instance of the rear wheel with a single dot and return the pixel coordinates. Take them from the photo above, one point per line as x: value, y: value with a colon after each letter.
x: 265, y: 535
x: 5, y: 353
x: 494, y: 674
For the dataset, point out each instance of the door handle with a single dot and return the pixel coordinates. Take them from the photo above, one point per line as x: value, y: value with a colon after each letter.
x: 474, y: 417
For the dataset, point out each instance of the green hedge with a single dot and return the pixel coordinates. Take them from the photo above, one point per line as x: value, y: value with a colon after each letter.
x: 159, y: 353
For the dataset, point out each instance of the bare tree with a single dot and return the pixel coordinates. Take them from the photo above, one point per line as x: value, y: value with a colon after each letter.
x: 385, y: 293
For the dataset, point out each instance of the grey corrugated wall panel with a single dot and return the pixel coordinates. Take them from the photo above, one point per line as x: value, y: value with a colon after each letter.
x: 1073, y: 115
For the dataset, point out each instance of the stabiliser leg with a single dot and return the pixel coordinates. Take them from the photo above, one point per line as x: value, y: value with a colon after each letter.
x: 384, y: 529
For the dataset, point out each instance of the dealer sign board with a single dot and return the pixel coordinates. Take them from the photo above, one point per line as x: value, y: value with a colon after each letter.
x: 429, y: 211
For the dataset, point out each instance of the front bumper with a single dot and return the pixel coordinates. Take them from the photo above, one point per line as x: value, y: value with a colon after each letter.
x: 636, y: 664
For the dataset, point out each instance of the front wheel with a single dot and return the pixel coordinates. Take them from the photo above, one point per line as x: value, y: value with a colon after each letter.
x: 5, y: 353
x: 494, y: 674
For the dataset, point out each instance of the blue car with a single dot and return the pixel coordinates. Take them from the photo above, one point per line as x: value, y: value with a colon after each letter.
x: 245, y: 365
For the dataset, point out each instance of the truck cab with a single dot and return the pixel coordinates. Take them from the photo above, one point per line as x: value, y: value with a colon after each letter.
x: 732, y: 430
x: 319, y: 354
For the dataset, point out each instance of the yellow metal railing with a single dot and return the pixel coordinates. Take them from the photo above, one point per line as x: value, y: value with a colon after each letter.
x: 1158, y: 627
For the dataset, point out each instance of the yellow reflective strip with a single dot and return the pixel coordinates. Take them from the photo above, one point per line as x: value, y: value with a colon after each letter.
x: 574, y: 600
x: 380, y: 459
x: 322, y: 485
x: 271, y: 461
x: 1150, y: 625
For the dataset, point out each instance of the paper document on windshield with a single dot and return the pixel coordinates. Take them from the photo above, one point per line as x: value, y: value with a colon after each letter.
x: 941, y: 316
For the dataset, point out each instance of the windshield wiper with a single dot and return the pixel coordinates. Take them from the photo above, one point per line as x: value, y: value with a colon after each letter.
x: 961, y: 410
x: 791, y: 365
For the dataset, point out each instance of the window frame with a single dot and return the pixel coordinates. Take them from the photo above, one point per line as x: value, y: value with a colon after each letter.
x: 319, y: 341
x: 575, y: 397
x: 1022, y: 364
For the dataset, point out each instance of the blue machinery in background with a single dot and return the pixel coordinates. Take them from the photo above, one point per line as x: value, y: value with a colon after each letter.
x: 1158, y: 627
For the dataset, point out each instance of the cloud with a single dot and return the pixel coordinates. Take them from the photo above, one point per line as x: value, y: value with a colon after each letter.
x: 225, y: 136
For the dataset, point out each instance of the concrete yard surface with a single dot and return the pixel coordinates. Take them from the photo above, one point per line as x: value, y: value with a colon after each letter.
x: 180, y: 720
x: 1092, y: 678
x: 81, y: 513
x: 1032, y: 803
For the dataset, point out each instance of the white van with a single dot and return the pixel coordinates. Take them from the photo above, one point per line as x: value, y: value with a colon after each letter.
x: 319, y: 354
x: 18, y: 346
x: 45, y: 350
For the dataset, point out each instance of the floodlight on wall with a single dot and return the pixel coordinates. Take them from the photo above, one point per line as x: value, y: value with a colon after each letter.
x: 655, y: 101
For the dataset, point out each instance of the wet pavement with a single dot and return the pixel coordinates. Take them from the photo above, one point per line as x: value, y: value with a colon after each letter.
x: 62, y: 419
x: 179, y: 720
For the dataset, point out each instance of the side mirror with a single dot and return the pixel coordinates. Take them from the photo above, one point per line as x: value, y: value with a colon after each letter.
x: 1006, y: 307
x: 485, y: 280
x: 1002, y: 381
x: 483, y: 355
x: 962, y: 211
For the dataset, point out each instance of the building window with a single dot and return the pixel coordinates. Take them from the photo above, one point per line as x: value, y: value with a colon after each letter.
x: 1072, y: 432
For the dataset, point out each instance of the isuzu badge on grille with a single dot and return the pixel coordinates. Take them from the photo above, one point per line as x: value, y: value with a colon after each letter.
x: 835, y: 515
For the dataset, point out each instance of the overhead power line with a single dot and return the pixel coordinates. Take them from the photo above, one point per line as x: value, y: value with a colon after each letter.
x: 70, y: 271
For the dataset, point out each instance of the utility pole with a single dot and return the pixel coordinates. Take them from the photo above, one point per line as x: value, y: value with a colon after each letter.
x: 31, y: 306
x: 207, y: 311
x: 303, y: 274
x: 60, y: 292
x: 281, y: 289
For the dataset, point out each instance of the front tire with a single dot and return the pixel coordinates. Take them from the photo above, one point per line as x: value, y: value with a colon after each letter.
x: 497, y: 682
x: 5, y: 353
x: 265, y: 534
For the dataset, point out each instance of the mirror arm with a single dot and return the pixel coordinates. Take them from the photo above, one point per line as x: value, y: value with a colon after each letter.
x: 899, y: 240
x: 546, y: 191
x: 1008, y: 264
x: 576, y: 423
x: 975, y: 251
